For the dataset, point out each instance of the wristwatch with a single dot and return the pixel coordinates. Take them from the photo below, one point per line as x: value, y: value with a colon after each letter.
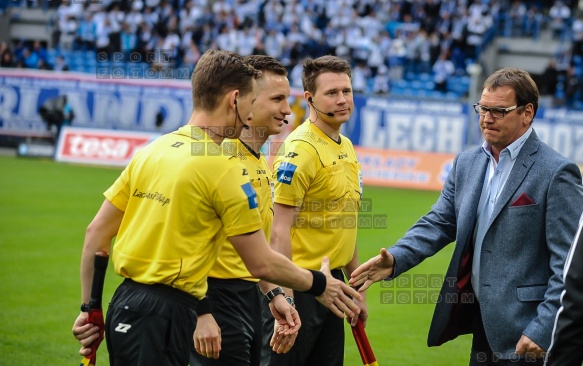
x: 85, y: 308
x: 270, y: 295
x: 290, y: 300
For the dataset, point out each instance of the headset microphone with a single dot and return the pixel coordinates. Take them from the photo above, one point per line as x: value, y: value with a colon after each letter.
x: 329, y: 114
x: 238, y: 116
x: 285, y: 121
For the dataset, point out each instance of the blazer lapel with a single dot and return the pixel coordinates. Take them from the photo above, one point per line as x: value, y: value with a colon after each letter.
x: 474, y: 184
x: 522, y: 165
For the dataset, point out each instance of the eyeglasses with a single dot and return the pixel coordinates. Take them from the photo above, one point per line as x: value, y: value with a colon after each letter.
x: 494, y: 112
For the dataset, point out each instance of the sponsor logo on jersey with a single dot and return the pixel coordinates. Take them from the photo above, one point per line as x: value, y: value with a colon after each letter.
x: 285, y: 172
x: 291, y: 155
x: 251, y: 195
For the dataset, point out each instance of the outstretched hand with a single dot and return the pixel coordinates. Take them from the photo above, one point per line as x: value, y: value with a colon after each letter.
x: 375, y: 269
x: 337, y: 296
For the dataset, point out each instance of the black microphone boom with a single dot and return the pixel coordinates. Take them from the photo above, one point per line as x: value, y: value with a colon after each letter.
x: 329, y: 114
x: 285, y: 121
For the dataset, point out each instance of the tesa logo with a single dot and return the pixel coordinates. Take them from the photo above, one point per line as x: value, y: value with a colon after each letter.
x: 91, y: 146
x: 102, y: 147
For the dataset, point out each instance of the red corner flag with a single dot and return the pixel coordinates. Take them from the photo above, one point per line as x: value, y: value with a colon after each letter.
x: 368, y: 358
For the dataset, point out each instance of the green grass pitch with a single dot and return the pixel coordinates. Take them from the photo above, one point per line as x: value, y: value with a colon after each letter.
x: 45, y: 208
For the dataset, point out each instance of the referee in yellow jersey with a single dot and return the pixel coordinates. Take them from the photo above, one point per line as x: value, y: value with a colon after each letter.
x: 317, y: 195
x: 232, y: 290
x: 167, y: 209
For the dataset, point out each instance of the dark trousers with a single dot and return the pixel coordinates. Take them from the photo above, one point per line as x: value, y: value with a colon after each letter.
x: 237, y: 310
x: 149, y: 325
x: 320, y: 340
x: 482, y: 354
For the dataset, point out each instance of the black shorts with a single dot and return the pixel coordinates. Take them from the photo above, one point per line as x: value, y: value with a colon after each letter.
x: 149, y: 325
x: 320, y: 340
x: 237, y: 310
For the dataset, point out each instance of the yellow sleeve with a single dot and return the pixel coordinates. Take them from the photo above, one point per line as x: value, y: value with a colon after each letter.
x: 119, y: 192
x: 236, y: 202
x: 294, y: 171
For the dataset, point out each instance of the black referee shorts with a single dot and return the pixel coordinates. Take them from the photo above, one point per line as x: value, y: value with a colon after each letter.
x: 320, y: 340
x: 149, y: 325
x: 237, y: 311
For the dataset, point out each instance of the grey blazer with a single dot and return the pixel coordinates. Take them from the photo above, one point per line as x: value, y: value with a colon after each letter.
x: 523, y: 252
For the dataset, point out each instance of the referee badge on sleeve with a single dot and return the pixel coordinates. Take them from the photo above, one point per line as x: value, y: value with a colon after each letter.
x: 251, y: 195
x: 285, y: 172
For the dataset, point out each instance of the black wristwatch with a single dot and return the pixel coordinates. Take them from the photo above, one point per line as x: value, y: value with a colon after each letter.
x: 270, y: 295
x: 290, y: 300
x: 85, y: 308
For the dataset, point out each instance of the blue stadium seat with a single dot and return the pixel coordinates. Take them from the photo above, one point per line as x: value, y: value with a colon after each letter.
x: 424, y: 77
x: 416, y: 84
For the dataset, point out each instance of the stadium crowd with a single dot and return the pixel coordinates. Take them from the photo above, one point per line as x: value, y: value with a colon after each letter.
x: 386, y: 42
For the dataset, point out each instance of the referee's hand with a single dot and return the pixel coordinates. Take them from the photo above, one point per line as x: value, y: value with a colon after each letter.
x: 285, y: 315
x: 287, y: 324
x: 207, y: 336
x: 338, y: 295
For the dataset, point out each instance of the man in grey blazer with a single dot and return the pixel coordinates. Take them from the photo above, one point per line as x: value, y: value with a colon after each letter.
x: 512, y: 207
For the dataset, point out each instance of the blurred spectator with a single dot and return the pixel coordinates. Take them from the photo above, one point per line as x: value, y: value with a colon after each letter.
x: 549, y: 79
x: 57, y: 112
x: 295, y: 76
x: 191, y: 55
x: 532, y: 22
x: 128, y: 39
x: 559, y: 15
x: 514, y: 18
x: 442, y: 70
x: 102, y: 39
x: 67, y: 30
x: 115, y: 17
x: 43, y: 65
x: 7, y: 60
x: 573, y: 86
x: 60, y: 64
x: 40, y: 51
x: 227, y: 39
x: 577, y: 28
x: 360, y: 75
x: 6, y: 55
x: 29, y: 58
x: 246, y: 41
x: 85, y: 38
x: 274, y: 43
x: 134, y: 18
x: 381, y: 81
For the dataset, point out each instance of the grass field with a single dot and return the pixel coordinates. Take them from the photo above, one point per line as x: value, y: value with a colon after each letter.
x: 44, y: 210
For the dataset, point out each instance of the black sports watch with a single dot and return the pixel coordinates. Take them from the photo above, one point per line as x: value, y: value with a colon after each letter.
x: 290, y: 300
x: 270, y: 295
x: 85, y: 308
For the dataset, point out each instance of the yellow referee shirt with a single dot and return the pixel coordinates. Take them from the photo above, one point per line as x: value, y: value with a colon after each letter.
x: 322, y: 178
x: 229, y: 264
x: 178, y: 193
